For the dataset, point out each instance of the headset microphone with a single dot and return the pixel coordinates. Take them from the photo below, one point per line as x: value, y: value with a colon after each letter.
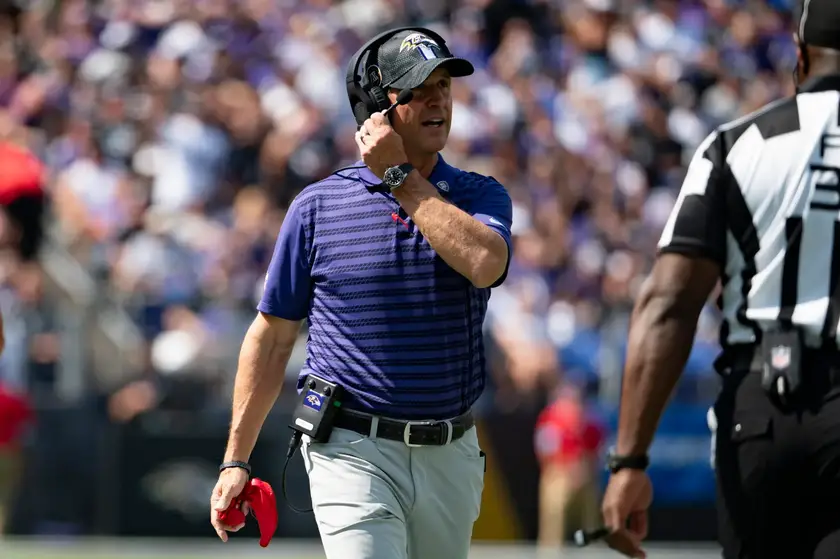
x: 405, y: 96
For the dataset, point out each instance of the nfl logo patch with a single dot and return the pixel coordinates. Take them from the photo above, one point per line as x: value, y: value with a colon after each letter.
x: 443, y: 185
x: 780, y: 357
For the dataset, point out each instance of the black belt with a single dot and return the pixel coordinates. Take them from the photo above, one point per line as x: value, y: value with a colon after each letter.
x: 412, y: 433
x: 816, y: 362
x: 743, y: 357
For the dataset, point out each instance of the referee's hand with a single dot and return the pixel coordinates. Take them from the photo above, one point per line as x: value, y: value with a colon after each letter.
x: 231, y: 483
x: 626, y: 501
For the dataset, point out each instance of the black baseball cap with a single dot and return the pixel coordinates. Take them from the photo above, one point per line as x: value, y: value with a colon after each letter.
x: 819, y: 23
x: 408, y: 58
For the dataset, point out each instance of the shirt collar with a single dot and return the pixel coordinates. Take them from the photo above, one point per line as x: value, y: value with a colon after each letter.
x: 442, y: 176
x: 829, y: 82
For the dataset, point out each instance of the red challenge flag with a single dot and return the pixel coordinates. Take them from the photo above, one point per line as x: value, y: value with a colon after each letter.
x: 261, y: 499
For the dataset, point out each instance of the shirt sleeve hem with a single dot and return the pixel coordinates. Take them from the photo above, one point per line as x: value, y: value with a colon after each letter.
x: 284, y: 314
x: 507, y: 240
x: 691, y: 249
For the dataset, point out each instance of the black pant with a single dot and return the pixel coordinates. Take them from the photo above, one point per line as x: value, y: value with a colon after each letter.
x: 778, y: 466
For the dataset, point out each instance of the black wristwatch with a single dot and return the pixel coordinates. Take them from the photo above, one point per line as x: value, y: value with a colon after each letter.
x: 395, y: 176
x: 616, y: 462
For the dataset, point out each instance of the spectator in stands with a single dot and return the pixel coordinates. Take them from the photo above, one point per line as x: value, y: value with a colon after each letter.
x: 15, y: 414
x: 568, y: 441
x: 22, y: 205
x: 22, y: 196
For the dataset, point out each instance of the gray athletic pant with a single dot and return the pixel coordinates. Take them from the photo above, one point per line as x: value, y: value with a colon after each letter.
x: 379, y: 499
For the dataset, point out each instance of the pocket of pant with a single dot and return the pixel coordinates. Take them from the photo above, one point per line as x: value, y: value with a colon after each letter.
x: 339, y: 437
x: 752, y: 436
x: 343, y: 443
x: 469, y: 446
x: 749, y: 427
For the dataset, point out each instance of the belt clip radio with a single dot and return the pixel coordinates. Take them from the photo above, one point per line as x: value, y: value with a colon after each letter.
x: 316, y: 408
x: 317, y: 405
x: 781, y: 352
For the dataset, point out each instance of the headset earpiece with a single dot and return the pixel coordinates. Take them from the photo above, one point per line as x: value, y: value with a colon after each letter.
x: 378, y: 96
x: 379, y: 99
x: 360, y: 112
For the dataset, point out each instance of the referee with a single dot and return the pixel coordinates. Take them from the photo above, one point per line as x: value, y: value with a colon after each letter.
x: 760, y: 211
x: 391, y: 262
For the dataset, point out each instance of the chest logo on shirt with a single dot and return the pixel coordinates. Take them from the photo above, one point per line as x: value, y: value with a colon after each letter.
x: 443, y: 185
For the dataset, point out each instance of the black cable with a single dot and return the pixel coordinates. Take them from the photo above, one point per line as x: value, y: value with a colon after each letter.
x: 348, y: 168
x: 294, y: 444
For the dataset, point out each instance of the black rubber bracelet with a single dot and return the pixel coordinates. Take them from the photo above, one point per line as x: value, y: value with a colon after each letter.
x: 236, y: 464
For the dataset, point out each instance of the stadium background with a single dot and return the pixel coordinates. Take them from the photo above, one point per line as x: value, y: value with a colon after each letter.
x: 170, y: 135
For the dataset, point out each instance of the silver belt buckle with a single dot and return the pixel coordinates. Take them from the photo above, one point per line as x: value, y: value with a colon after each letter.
x: 407, y: 431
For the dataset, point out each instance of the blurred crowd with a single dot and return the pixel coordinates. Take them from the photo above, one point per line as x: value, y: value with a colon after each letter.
x: 169, y: 136
x: 173, y: 134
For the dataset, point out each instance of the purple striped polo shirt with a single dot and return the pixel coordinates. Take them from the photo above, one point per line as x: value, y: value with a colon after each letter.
x: 388, y: 319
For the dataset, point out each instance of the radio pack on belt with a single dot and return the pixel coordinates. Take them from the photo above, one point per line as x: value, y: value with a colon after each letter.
x: 781, y: 353
x: 316, y: 408
x: 314, y: 415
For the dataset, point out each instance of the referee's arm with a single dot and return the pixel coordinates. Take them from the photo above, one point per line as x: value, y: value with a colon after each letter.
x: 664, y: 320
x: 271, y: 337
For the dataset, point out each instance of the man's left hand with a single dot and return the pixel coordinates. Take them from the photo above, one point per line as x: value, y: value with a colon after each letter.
x: 380, y: 145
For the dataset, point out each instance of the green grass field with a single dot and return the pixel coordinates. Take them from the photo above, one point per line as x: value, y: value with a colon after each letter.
x: 285, y: 549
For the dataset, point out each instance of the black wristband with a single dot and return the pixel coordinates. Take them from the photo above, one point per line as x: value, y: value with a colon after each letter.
x: 236, y: 464
x: 616, y: 463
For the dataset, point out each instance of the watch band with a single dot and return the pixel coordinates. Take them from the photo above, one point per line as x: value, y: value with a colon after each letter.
x: 616, y: 463
x: 236, y: 464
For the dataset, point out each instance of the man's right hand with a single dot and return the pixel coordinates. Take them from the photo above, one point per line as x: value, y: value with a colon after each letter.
x: 231, y: 483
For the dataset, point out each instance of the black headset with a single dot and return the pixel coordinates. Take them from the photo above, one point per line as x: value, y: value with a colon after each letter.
x: 365, y: 91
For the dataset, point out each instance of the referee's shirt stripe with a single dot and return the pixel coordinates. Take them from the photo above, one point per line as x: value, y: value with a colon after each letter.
x: 773, y: 180
x: 832, y: 317
x: 790, y: 269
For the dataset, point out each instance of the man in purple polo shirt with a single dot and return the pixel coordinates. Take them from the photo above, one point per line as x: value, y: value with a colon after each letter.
x: 391, y: 262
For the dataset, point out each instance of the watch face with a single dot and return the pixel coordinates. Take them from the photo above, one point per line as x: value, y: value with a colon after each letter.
x: 393, y: 176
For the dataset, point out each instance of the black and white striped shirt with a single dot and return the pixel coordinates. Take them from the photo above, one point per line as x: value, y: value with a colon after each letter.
x: 762, y: 198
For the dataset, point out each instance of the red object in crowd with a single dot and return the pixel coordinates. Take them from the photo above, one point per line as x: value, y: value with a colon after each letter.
x: 15, y: 413
x: 260, y: 498
x: 22, y: 173
x: 566, y: 432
